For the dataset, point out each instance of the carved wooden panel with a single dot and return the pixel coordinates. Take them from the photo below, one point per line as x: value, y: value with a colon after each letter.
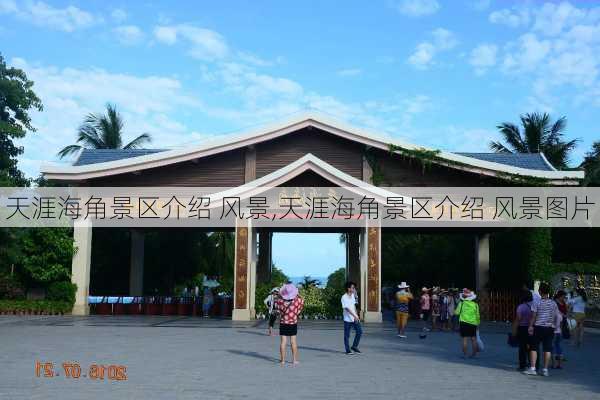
x: 373, y: 269
x: 241, y: 268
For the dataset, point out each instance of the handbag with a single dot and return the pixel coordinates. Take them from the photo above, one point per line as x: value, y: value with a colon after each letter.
x: 480, y: 345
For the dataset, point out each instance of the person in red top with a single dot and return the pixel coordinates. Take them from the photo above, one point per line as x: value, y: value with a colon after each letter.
x: 290, y: 305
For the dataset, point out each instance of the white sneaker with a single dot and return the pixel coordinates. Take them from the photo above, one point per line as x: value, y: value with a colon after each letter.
x: 530, y: 371
x: 545, y: 372
x: 402, y: 336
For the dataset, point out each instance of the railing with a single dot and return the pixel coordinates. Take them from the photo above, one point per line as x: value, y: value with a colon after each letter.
x: 498, y: 305
x: 158, y: 305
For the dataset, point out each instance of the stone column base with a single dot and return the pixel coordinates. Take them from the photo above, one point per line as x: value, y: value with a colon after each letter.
x: 240, y: 315
x: 373, y: 317
x: 80, y: 309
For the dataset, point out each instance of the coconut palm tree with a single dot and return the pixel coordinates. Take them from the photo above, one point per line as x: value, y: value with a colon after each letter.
x: 103, y: 131
x: 538, y: 135
x: 591, y: 165
x: 308, y: 282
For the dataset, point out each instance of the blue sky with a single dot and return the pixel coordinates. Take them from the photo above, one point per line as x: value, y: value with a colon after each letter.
x: 313, y: 254
x: 431, y: 72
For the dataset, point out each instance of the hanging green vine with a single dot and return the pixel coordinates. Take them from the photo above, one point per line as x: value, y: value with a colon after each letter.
x: 423, y: 156
x: 377, y: 177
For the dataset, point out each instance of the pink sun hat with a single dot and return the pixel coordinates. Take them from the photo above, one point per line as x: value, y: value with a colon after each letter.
x: 288, y: 291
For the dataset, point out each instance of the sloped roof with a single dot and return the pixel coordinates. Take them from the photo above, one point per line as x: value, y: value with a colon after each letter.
x: 223, y: 144
x: 95, y: 156
x: 535, y: 161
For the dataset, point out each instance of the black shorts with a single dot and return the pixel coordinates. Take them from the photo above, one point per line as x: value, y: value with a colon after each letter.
x: 543, y: 335
x: 288, y: 330
x: 468, y: 330
x: 426, y: 314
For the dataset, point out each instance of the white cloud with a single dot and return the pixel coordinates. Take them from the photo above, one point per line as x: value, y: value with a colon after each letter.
x: 483, y: 57
x: 557, y: 52
x: 551, y: 19
x: 205, y: 44
x: 128, y: 34
x: 415, y: 8
x: 118, y: 15
x: 148, y: 104
x: 349, y: 72
x: 529, y: 52
x: 38, y: 13
x: 514, y: 18
x: 423, y: 56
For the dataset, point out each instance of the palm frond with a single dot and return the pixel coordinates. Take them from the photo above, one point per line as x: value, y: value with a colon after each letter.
x: 138, y: 141
x: 499, y: 147
x: 68, y: 150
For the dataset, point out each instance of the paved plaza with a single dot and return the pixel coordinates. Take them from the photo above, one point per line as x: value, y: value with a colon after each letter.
x: 193, y: 358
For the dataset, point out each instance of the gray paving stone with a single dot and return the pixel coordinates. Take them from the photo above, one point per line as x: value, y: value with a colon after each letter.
x: 192, y: 358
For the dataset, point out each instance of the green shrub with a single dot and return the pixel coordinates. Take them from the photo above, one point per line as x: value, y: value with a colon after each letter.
x: 62, y: 291
x: 35, y: 306
x: 10, y: 287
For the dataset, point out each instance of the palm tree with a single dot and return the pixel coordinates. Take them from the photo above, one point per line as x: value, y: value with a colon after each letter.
x: 309, y: 282
x: 103, y: 132
x: 591, y: 164
x: 539, y: 135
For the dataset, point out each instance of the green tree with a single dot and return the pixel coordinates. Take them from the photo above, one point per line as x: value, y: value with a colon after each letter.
x: 46, y: 254
x: 337, y: 279
x: 538, y: 134
x: 309, y: 282
x: 591, y: 165
x: 17, y: 98
x: 103, y: 131
x: 278, y: 278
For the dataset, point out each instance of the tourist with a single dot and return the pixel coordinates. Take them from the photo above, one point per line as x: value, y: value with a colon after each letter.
x: 403, y: 299
x: 453, y: 301
x: 541, y: 327
x: 435, y: 308
x: 289, y: 305
x: 469, y: 319
x: 208, y: 300
x: 557, y: 351
x: 351, y: 319
x: 520, y: 328
x: 271, y: 310
x: 425, y: 303
x: 444, y: 310
x: 577, y: 306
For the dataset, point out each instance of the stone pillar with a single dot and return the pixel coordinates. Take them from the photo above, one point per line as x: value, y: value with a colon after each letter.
x: 242, y: 271
x: 482, y: 262
x: 353, y: 258
x: 136, y: 269
x: 81, y: 266
x: 252, y: 256
x: 371, y: 274
x: 264, y: 262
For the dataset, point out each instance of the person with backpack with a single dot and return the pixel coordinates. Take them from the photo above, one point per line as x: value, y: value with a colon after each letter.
x: 469, y: 320
x: 520, y: 327
x: 271, y: 309
x: 541, y: 328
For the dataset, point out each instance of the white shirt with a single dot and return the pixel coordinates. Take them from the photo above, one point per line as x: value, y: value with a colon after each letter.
x: 577, y: 304
x: 349, y: 303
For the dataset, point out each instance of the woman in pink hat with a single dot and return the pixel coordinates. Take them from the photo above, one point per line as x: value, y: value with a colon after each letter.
x: 290, y: 305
